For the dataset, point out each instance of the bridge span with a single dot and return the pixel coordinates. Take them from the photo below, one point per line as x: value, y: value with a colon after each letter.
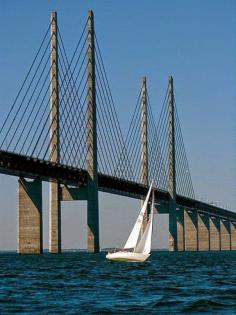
x: 72, y: 145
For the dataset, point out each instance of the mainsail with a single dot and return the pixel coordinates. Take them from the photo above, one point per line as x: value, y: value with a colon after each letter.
x: 134, y: 235
x: 138, y: 245
x: 144, y: 245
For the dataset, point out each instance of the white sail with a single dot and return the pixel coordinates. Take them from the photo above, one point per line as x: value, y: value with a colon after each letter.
x: 134, y: 235
x: 144, y: 245
x: 132, y: 251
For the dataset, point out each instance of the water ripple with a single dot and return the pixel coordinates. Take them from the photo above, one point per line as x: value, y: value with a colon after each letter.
x: 81, y: 283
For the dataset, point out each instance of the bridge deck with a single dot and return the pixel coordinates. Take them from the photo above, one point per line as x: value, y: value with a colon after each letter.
x: 23, y: 166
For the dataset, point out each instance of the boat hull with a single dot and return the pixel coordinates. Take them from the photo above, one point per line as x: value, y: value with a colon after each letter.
x: 128, y: 257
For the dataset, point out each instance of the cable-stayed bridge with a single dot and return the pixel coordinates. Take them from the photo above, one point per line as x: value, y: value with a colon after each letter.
x: 63, y: 128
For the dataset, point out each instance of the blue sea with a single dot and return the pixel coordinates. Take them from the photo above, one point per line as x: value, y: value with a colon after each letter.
x: 81, y: 283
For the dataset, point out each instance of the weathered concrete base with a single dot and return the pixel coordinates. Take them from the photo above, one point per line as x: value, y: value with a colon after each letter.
x: 214, y: 233
x: 30, y: 240
x: 54, y: 218
x: 203, y: 232
x: 225, y: 235
x: 233, y: 236
x: 190, y: 224
x: 180, y: 230
x: 92, y: 222
x: 172, y: 233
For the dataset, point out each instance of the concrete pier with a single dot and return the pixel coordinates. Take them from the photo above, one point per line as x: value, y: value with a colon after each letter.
x: 214, y: 233
x: 203, y: 232
x: 225, y: 234
x: 54, y: 188
x: 54, y: 218
x: 190, y: 229
x: 233, y: 235
x: 180, y: 229
x: 29, y: 238
x: 92, y: 205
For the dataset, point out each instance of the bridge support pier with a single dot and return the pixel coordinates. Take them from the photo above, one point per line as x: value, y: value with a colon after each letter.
x: 190, y: 229
x: 233, y: 235
x: 225, y: 238
x: 203, y: 232
x: 54, y: 218
x: 92, y: 221
x: 214, y: 233
x: 29, y: 238
x: 180, y: 229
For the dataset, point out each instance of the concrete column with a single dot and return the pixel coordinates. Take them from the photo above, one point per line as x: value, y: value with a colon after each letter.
x: 190, y: 229
x: 54, y: 218
x: 225, y: 234
x: 203, y: 232
x: 214, y: 233
x: 180, y: 229
x: 171, y: 169
x: 30, y: 240
x: 92, y: 205
x: 233, y: 235
x: 144, y: 145
x: 54, y: 188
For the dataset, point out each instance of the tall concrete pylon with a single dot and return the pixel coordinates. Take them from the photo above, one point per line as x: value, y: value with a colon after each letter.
x: 144, y: 144
x: 171, y: 168
x: 54, y: 187
x: 92, y: 203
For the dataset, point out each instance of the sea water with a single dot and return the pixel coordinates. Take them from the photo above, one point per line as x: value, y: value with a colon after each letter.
x: 81, y: 283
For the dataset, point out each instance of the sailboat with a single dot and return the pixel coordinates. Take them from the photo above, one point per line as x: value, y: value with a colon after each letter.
x: 138, y: 246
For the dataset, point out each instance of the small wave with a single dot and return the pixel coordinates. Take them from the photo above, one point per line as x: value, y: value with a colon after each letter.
x: 204, y: 305
x: 166, y: 303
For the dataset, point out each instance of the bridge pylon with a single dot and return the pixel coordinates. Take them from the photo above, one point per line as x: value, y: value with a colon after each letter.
x: 54, y: 187
x: 171, y: 168
x: 92, y: 167
x: 144, y: 143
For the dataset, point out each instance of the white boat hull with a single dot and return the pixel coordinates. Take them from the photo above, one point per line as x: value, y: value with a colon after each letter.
x: 127, y: 256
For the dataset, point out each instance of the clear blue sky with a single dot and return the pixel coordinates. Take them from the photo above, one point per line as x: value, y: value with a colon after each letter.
x: 195, y: 41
